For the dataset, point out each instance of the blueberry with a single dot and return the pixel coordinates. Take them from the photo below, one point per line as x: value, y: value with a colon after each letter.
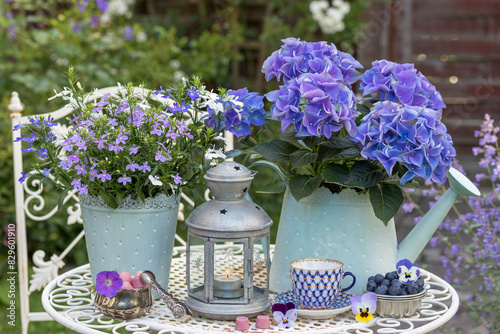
x: 390, y: 276
x: 412, y: 288
x: 394, y: 290
x: 396, y: 282
x: 386, y: 282
x: 420, y: 282
x: 371, y: 278
x: 379, y: 278
x: 381, y: 290
x: 403, y: 292
x: 395, y: 273
x: 371, y: 286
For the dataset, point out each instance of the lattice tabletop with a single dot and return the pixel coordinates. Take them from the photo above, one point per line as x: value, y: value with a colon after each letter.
x: 68, y: 301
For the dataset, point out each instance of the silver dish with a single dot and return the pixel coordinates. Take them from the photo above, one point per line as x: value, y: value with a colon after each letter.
x: 127, y: 304
x: 399, y: 306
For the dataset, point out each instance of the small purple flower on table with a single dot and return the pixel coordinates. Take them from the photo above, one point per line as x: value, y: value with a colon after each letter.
x: 363, y: 307
x: 108, y: 283
x: 407, y: 271
x: 284, y: 314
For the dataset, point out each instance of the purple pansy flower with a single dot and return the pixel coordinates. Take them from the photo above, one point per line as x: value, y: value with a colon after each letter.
x: 107, y: 283
x: 284, y: 314
x: 407, y: 271
x: 363, y: 307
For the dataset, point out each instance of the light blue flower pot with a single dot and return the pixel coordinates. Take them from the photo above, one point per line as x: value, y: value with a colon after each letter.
x: 341, y: 227
x: 135, y: 236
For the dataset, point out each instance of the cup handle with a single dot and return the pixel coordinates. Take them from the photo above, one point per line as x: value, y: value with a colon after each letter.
x: 353, y: 280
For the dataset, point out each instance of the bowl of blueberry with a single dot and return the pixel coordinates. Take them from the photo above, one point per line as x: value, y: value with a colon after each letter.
x: 394, y: 298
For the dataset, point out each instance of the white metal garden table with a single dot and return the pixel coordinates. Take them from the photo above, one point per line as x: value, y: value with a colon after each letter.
x: 68, y: 301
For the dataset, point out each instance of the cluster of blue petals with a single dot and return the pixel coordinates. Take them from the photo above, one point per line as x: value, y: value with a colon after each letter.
x: 241, y: 110
x: 316, y: 96
x: 400, y: 83
x: 413, y: 136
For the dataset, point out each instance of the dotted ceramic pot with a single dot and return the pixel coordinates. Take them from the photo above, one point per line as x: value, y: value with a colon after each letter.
x: 135, y: 236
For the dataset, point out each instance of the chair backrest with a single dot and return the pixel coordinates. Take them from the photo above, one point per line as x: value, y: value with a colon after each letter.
x: 30, y: 203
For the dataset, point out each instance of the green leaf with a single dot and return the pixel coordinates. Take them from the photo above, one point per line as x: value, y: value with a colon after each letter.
x: 351, y: 152
x: 386, y: 200
x: 362, y: 109
x: 363, y: 174
x: 273, y: 188
x: 60, y: 201
x: 119, y: 198
x: 110, y: 201
x: 276, y: 150
x: 289, y: 135
x: 233, y: 153
x: 303, y: 157
x: 303, y: 185
x: 311, y: 141
x: 338, y: 142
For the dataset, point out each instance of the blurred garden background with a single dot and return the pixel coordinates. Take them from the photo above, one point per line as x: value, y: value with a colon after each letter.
x: 455, y: 43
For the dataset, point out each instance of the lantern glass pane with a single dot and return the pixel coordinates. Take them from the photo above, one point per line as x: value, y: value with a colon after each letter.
x: 261, y: 263
x: 228, y: 271
x: 196, y: 266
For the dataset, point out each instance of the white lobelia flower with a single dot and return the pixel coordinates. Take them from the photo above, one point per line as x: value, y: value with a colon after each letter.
x: 155, y: 180
x: 213, y: 153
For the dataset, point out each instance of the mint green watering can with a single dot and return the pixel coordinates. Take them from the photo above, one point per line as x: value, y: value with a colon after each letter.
x: 344, y: 227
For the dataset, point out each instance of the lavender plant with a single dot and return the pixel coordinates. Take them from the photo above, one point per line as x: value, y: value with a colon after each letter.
x: 137, y: 143
x: 469, y: 234
x: 330, y: 138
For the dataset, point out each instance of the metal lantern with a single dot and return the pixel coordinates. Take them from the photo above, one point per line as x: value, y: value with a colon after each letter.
x: 227, y: 262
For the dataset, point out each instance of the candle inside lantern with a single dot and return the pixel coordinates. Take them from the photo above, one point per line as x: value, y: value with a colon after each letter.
x: 228, y: 285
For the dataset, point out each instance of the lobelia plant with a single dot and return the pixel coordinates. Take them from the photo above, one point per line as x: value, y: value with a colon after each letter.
x: 331, y: 138
x: 469, y: 234
x: 137, y: 143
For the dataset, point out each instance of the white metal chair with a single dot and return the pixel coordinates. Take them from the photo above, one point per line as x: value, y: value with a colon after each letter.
x: 30, y: 202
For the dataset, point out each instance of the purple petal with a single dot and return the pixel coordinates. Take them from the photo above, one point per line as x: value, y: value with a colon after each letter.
x: 369, y: 301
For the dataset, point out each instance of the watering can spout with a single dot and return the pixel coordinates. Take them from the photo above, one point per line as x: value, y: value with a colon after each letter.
x: 416, y: 240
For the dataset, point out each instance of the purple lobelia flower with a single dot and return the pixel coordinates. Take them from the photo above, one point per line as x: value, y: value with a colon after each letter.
x: 400, y: 83
x: 128, y: 33
x: 316, y: 104
x: 412, y: 136
x: 107, y: 283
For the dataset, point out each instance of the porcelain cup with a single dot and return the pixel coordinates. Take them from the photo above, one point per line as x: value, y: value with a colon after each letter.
x: 317, y: 282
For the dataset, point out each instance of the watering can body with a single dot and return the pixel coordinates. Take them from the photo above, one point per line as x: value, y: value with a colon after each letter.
x: 344, y: 227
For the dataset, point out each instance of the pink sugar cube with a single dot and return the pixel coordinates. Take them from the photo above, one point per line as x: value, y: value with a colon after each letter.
x: 136, y: 282
x: 127, y: 286
x: 125, y: 276
x: 137, y: 274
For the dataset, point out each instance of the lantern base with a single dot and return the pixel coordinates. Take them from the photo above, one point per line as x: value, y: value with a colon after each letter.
x: 227, y: 311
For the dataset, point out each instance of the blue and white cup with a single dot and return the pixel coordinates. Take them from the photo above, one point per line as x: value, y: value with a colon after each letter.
x: 317, y: 282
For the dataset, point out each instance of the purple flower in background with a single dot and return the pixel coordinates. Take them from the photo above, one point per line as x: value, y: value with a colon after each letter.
x: 82, y: 5
x: 12, y: 32
x: 77, y: 26
x: 412, y: 136
x: 145, y: 168
x: 102, y: 5
x: 124, y: 179
x: 46, y: 171
x: 107, y: 283
x: 132, y: 166
x: 112, y: 122
x: 400, y: 83
x: 134, y: 149
x: 193, y: 94
x: 128, y: 33
x: 94, y: 21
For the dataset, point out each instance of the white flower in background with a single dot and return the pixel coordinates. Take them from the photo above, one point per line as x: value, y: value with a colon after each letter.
x: 213, y: 154
x: 117, y: 8
x: 330, y: 18
x: 155, y: 180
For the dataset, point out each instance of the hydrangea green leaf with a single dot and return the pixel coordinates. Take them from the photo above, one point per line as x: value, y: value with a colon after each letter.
x: 301, y: 158
x: 303, y: 185
x: 386, y: 200
x: 363, y: 174
x: 276, y: 150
